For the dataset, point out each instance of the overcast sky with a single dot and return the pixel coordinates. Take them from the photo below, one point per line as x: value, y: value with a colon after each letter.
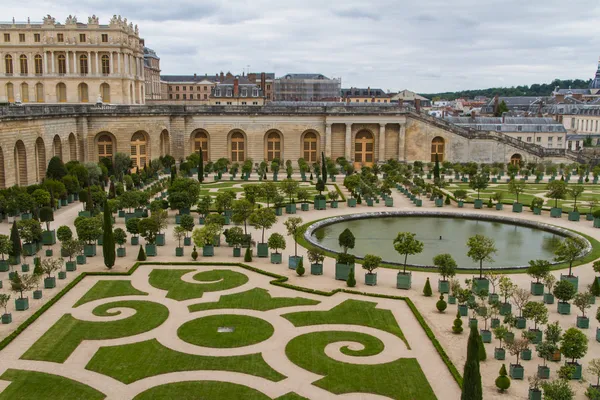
x: 425, y: 46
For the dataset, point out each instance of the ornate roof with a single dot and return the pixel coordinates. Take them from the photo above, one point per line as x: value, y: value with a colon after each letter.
x: 595, y: 84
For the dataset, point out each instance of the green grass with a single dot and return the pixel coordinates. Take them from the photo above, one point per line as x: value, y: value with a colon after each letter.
x: 31, y: 385
x: 208, y: 281
x: 131, y: 362
x: 106, y: 289
x: 195, y: 390
x: 247, y: 331
x: 402, y: 379
x: 254, y: 299
x: 351, y: 312
x: 57, y: 344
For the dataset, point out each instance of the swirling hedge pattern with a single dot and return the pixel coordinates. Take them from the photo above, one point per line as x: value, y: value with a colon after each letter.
x: 208, y: 281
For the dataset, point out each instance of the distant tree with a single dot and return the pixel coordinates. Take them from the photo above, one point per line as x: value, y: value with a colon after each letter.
x: 502, y: 108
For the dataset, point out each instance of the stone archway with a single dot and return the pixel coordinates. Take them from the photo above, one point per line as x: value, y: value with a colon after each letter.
x: 40, y: 157
x: 20, y: 155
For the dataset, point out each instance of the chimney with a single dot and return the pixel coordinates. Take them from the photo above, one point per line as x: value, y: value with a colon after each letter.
x: 263, y: 83
x: 418, y: 105
x: 252, y: 77
x: 195, y: 76
x: 236, y: 86
x: 368, y: 90
x: 222, y: 77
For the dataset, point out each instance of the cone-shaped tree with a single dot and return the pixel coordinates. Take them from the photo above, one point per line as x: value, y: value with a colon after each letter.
x: 300, y: 268
x: 141, y: 254
x: 427, y: 289
x: 15, y: 239
x: 471, y: 389
x: 351, y: 281
x: 108, y: 244
x: 201, y: 167
x: 248, y: 255
x: 436, y: 168
x: 482, y: 353
x: 323, y: 169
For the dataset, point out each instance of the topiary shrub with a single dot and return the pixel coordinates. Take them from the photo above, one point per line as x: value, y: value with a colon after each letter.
x: 447, y: 201
x: 141, y: 254
x: 351, y: 281
x: 503, y: 381
x: 595, y: 288
x: 300, y: 268
x: 248, y: 255
x: 457, y: 326
x: 482, y: 352
x: 441, y: 304
x: 427, y: 289
x: 194, y: 254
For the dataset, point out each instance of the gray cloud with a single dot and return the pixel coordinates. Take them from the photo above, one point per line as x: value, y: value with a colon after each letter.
x: 429, y: 46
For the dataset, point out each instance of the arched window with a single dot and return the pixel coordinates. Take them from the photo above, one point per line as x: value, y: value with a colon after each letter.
x: 23, y: 64
x: 138, y: 149
x: 39, y: 92
x: 309, y: 148
x: 83, y: 64
x: 82, y: 89
x: 10, y: 92
x: 2, y: 174
x: 437, y: 147
x: 61, y: 92
x: 105, y: 147
x: 516, y: 159
x: 8, y: 64
x: 201, y: 142
x: 363, y: 148
x: 165, y: 145
x: 62, y: 64
x: 57, y: 147
x: 24, y: 92
x: 40, y: 157
x: 237, y: 147
x: 105, y: 65
x: 72, y: 147
x: 20, y: 163
x: 39, y: 64
x: 273, y: 146
x: 105, y: 92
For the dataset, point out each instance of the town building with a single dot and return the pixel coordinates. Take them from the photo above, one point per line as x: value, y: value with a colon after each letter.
x: 581, y: 120
x: 237, y: 91
x: 307, y: 87
x: 50, y: 62
x: 409, y: 97
x: 152, y: 74
x: 590, y: 94
x: 514, y: 103
x: 362, y: 95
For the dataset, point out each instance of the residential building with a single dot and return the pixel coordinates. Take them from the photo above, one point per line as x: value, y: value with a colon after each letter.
x: 307, y: 87
x: 50, y: 62
x: 514, y: 104
x: 187, y: 88
x: 152, y: 74
x: 408, y: 97
x: 237, y: 91
x: 590, y: 94
x: 362, y: 95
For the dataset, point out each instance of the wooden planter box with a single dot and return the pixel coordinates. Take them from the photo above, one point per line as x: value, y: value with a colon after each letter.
x: 443, y: 286
x: 583, y: 322
x: 463, y: 310
x: 89, y: 250
x: 543, y: 372
x: 150, y: 250
x: 492, y: 297
x: 81, y: 259
x: 481, y: 284
x: 517, y: 207
x: 293, y: 261
x: 516, y: 372
x: 276, y: 258
x: 290, y: 209
x: 6, y: 318
x: 178, y: 251
x: 208, y: 250
x: 49, y: 237
x: 262, y: 250
x: 135, y: 240
x: 521, y: 323
x: 574, y: 216
x: 22, y: 304
x: 537, y: 211
x: 537, y: 289
x: 486, y: 336
x: 478, y: 203
x: 62, y: 275
x: 548, y: 298
x: 160, y: 239
x: 49, y: 283
x: 371, y: 279
x: 351, y: 203
x: 499, y: 354
x: 526, y: 355
x: 316, y: 269
x: 571, y: 279
x: 556, y: 212
x: 564, y: 308
x: 304, y: 206
x: 342, y: 271
x: 403, y: 280
x: 535, y: 394
x: 71, y: 266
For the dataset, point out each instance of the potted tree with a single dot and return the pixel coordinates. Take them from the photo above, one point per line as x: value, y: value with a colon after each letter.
x: 345, y: 261
x: 536, y: 205
x: 234, y: 237
x: 481, y: 249
x: 553, y: 334
x: 48, y: 236
x: 316, y: 258
x: 464, y: 297
x: 89, y: 230
x: 49, y: 266
x: 63, y: 234
x: 5, y: 248
x: 293, y: 226
x: 549, y: 282
x: 276, y: 241
x: 352, y: 182
x: 333, y: 196
x: 500, y: 334
x: 148, y: 229
x: 498, y: 196
x: 538, y: 269
x: 73, y: 248
x: 535, y: 392
x: 460, y: 196
x: 204, y: 237
x: 538, y: 313
x: 120, y: 239
x: 179, y: 233
x: 132, y: 226
x: 545, y: 350
x: 447, y: 269
x: 263, y: 218
x: 371, y: 263
x: 594, y: 370
x: 303, y: 198
x: 515, y: 348
x: 507, y: 288
x: 478, y: 182
x: 583, y: 302
x: 187, y: 223
x: 241, y: 211
x: 575, y: 191
x: 20, y: 284
x: 406, y: 244
x: 516, y: 187
x: 161, y: 217
x: 6, y: 317
x: 30, y: 231
x: 557, y: 190
x: 520, y: 298
x: 568, y: 251
x: 574, y: 345
x: 290, y: 188
x: 494, y: 279
x: 204, y: 208
x: 564, y: 292
x: 454, y: 290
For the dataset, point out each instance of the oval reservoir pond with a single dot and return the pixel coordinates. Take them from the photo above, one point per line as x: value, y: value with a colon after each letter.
x: 516, y: 244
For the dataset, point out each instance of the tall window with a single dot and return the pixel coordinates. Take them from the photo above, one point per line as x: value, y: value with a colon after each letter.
x: 61, y: 93
x: 83, y: 64
x: 273, y: 146
x: 39, y: 93
x: 62, y: 64
x: 105, y: 65
x: 104, y: 38
x: 82, y: 89
x: 24, y: 92
x: 39, y: 65
x: 201, y: 141
x: 437, y: 147
x: 310, y: 148
x: 105, y: 92
x: 138, y: 149
x: 363, y: 148
x: 10, y: 92
x: 105, y: 147
x: 237, y: 147
x: 23, y: 64
x: 8, y: 64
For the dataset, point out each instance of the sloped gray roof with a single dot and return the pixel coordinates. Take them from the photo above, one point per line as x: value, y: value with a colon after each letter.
x: 510, y: 124
x: 304, y: 76
x: 187, y: 78
x: 515, y: 101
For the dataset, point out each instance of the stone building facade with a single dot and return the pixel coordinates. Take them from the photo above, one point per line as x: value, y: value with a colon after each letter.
x: 50, y: 62
x: 306, y: 87
x: 151, y: 74
x: 30, y: 135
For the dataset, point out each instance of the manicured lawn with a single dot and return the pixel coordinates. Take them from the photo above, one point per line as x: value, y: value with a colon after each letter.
x: 31, y: 385
x: 254, y: 299
x: 402, y: 379
x: 106, y: 289
x: 204, y: 331
x: 350, y: 312
x: 67, y: 333
x: 131, y: 362
x: 208, y: 281
x: 195, y: 390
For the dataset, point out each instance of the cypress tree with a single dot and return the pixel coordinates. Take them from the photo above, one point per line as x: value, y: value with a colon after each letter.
x: 595, y: 289
x: 471, y: 389
x: 323, y: 169
x: 141, y: 254
x: 173, y: 173
x: 108, y: 245
x: 427, y: 289
x: 201, y: 167
x: 15, y: 239
x: 351, y: 281
x: 482, y: 352
x: 436, y: 168
x: 89, y: 204
x: 248, y: 255
x: 111, y: 190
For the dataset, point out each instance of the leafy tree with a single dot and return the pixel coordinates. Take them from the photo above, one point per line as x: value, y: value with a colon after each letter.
x: 4, y: 298
x: 276, y: 241
x: 88, y: 229
x: 502, y: 108
x: 20, y: 283
x: 72, y: 247
x: 15, y: 239
x: 242, y: 209
x: 520, y: 297
x: 446, y: 265
x: 290, y: 188
x: 564, y: 291
x: 574, y: 344
x: 204, y: 205
x: 478, y: 182
x: 575, y: 191
x: 205, y: 236
x: 56, y: 169
x: 406, y: 244
x: 293, y: 226
x: 516, y: 347
x: 316, y: 256
x: 108, y: 243
x: 503, y: 381
x: 594, y: 369
x: 224, y: 200
x: 263, y: 218
x: 557, y: 389
x: 569, y: 250
x: 187, y: 223
x: 536, y: 312
x: 148, y: 229
x: 41, y: 197
x: 121, y: 165
x: 546, y: 350
x: 500, y: 333
x: 47, y: 216
x: 583, y: 301
x: 471, y: 389
x: 516, y: 187
x: 29, y: 230
x: 538, y: 269
x: 300, y: 270
x: 234, y: 236
x: 5, y: 246
x: 132, y: 226
x: 557, y: 190
x: 120, y: 236
x: 346, y: 240
x: 51, y: 265
x: 371, y: 262
x: 481, y: 249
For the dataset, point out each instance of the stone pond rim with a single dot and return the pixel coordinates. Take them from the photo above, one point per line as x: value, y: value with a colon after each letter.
x: 308, y: 234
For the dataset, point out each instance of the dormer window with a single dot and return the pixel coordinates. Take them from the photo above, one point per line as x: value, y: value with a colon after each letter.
x: 218, y: 93
x: 519, y: 128
x: 244, y: 92
x: 254, y: 92
x: 229, y: 93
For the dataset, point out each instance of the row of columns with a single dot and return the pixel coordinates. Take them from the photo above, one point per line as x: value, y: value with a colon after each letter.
x: 348, y: 141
